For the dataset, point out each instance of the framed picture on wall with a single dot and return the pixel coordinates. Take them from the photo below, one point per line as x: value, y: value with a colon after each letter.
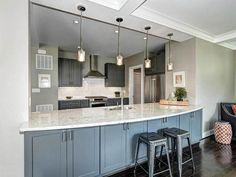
x: 179, y: 79
x: 44, y: 81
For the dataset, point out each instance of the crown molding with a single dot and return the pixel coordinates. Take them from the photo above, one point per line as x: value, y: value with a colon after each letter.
x: 156, y: 17
x: 114, y: 4
x: 225, y: 36
x: 228, y: 45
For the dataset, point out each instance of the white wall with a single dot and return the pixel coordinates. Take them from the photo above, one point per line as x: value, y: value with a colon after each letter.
x: 215, y: 77
x: 183, y: 58
x: 14, y: 88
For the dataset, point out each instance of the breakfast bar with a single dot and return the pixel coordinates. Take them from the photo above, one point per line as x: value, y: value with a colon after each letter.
x: 86, y: 143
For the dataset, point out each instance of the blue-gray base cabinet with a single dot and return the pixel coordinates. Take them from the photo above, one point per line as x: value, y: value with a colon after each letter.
x: 62, y: 153
x: 96, y: 151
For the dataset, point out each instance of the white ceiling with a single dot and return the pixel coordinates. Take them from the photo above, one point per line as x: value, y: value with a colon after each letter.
x: 212, y: 20
x: 56, y: 28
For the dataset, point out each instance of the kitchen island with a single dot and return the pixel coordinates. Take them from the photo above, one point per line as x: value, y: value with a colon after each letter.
x: 91, y: 142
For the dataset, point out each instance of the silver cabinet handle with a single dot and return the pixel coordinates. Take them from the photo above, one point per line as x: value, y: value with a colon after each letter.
x: 70, y: 135
x: 64, y: 136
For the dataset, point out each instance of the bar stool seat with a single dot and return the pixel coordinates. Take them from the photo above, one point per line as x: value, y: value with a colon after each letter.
x: 152, y: 140
x: 177, y: 136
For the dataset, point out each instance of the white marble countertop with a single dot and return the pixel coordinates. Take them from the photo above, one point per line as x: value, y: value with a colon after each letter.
x: 90, y: 117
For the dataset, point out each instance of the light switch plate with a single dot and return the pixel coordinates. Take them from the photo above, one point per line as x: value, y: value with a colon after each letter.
x: 35, y: 90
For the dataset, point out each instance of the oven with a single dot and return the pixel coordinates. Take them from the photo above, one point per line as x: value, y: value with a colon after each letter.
x: 97, y: 101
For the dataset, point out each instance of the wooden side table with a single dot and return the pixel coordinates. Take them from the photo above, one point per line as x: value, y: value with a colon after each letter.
x: 223, y: 132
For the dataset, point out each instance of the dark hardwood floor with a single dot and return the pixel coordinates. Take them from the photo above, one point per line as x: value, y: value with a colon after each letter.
x: 211, y: 160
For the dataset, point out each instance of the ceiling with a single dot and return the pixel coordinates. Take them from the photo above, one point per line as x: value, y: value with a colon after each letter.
x: 211, y: 20
x: 57, y: 28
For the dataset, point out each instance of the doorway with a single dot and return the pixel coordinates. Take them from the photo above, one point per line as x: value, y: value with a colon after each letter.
x: 136, y: 84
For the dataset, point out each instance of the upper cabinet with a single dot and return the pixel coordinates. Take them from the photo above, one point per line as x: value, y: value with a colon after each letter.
x: 157, y: 64
x: 70, y: 73
x: 115, y: 75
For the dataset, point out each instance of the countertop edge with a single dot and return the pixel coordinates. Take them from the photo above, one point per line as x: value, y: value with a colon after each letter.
x: 24, y: 130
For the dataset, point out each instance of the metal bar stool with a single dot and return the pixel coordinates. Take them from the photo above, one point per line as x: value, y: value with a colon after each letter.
x: 152, y: 140
x: 177, y: 136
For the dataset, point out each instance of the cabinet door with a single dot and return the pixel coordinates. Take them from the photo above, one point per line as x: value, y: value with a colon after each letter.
x: 171, y: 122
x: 113, y: 148
x: 45, y: 154
x: 196, y: 126
x: 83, y: 152
x: 155, y: 125
x: 75, y: 73
x: 115, y: 75
x: 133, y: 132
x: 64, y: 72
x: 185, y: 124
x: 84, y: 103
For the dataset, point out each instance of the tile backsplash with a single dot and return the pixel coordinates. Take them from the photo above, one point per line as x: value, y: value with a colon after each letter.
x: 91, y: 87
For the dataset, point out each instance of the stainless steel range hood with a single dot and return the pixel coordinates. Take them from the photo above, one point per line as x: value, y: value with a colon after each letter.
x: 94, y: 73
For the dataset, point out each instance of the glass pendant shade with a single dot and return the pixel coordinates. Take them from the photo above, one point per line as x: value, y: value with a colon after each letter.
x: 119, y: 60
x: 81, y: 55
x: 170, y: 66
x: 147, y: 63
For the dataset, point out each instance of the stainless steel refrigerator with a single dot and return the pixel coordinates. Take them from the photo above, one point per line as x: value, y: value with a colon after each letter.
x: 154, y: 88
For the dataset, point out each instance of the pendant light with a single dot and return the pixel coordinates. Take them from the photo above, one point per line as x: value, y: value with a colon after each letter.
x: 170, y: 65
x: 119, y: 57
x: 81, y: 52
x: 147, y: 61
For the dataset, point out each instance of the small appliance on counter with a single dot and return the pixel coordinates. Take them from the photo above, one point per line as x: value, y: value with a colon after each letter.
x: 97, y: 101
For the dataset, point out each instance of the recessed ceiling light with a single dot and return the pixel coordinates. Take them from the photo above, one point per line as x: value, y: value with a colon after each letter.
x: 116, y: 31
x: 76, y: 21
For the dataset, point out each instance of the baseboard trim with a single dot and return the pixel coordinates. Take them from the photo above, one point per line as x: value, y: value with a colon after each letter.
x: 208, y: 133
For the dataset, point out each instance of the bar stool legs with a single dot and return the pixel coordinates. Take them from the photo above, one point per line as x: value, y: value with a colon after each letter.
x: 179, y: 155
x: 177, y: 136
x: 152, y: 140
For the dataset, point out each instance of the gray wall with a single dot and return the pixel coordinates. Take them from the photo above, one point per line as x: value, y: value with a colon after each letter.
x: 210, y: 76
x: 137, y: 59
x: 46, y: 95
x: 183, y: 58
x: 14, y: 77
x: 215, y: 78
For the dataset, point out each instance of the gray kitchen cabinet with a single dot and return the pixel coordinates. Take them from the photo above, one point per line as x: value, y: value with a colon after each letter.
x: 133, y: 131
x: 73, y: 104
x: 116, y: 101
x: 45, y: 154
x: 69, y: 73
x: 113, y: 148
x: 114, y: 75
x: 62, y: 153
x: 157, y: 64
x: 83, y: 152
x: 170, y: 122
x: 192, y: 122
x: 196, y: 126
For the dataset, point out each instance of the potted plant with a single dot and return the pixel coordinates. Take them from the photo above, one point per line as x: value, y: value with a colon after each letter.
x: 180, y: 94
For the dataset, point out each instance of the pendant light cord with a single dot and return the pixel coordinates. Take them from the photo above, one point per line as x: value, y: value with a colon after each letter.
x: 80, y: 41
x: 118, y: 49
x: 146, y: 57
x: 169, y: 49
